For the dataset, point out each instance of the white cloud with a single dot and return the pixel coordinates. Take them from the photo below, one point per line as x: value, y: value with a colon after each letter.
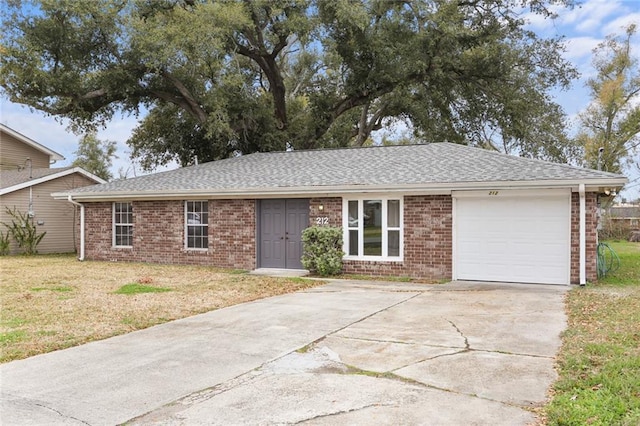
x: 589, y: 15
x: 579, y: 48
x: 618, y: 25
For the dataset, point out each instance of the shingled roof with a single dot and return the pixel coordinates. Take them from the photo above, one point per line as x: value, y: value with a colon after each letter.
x: 14, y: 180
x: 403, y: 167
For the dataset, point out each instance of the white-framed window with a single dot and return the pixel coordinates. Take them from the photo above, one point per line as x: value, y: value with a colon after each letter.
x: 196, y: 223
x: 122, y: 225
x: 373, y: 228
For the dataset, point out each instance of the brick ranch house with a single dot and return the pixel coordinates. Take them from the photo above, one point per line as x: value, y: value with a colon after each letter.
x: 441, y: 211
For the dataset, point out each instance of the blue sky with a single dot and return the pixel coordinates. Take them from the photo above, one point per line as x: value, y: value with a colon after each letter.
x: 583, y: 27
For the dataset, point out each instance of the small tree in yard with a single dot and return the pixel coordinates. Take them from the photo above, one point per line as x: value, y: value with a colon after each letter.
x: 23, y: 231
x: 322, y: 250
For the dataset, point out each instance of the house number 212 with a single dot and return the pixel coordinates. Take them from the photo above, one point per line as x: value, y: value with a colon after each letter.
x: 322, y: 221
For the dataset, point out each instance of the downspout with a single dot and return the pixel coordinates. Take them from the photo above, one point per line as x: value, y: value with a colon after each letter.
x: 583, y: 236
x: 70, y: 199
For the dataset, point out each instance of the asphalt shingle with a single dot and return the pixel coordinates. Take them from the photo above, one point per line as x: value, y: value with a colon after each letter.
x: 9, y: 178
x: 429, y: 164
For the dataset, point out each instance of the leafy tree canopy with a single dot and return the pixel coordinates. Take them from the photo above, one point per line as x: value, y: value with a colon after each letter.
x: 218, y: 78
x: 95, y: 156
x: 612, y: 120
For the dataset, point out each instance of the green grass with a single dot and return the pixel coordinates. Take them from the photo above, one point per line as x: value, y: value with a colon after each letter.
x: 58, y: 289
x: 599, y: 363
x: 135, y: 288
x: 12, y: 336
x: 629, y: 272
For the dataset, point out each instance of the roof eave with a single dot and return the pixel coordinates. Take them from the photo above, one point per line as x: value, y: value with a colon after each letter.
x: 53, y: 156
x: 52, y: 176
x: 591, y: 185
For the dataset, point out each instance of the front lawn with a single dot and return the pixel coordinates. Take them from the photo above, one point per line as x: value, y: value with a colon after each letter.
x: 599, y: 363
x: 54, y: 302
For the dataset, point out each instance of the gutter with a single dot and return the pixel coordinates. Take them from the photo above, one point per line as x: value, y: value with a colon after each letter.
x: 70, y: 199
x: 583, y: 237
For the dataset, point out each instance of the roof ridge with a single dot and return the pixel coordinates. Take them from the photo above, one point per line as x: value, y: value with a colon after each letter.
x: 536, y: 160
x: 345, y: 148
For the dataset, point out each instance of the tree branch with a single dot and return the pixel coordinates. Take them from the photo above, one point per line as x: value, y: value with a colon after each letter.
x: 190, y: 104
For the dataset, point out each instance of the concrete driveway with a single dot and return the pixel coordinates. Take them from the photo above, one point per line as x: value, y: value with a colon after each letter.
x: 345, y: 353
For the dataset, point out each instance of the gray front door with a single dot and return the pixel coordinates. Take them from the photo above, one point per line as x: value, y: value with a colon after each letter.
x: 281, y: 226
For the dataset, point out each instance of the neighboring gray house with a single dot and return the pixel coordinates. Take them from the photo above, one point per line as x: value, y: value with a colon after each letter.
x: 626, y: 216
x: 441, y: 211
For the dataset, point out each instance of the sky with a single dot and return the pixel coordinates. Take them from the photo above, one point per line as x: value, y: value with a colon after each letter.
x: 583, y: 27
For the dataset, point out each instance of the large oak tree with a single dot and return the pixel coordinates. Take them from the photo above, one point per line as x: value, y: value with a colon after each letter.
x: 217, y: 78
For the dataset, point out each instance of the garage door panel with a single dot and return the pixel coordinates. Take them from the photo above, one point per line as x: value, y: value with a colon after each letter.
x: 518, y: 239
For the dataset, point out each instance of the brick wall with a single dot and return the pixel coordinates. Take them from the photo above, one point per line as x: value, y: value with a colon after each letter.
x: 331, y: 208
x: 427, y: 237
x: 232, y: 233
x: 591, y: 204
x: 158, y: 234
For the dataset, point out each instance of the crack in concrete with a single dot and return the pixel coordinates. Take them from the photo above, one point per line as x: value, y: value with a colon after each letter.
x: 367, y: 339
x: 373, y: 314
x: 61, y: 414
x: 512, y: 353
x: 187, y: 401
x: 473, y: 395
x: 337, y: 413
x: 467, y: 348
x: 208, y: 393
x: 466, y: 341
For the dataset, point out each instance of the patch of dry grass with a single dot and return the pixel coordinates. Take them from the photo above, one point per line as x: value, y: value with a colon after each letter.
x: 54, y: 302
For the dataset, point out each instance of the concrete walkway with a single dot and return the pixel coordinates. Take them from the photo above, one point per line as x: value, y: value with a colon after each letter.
x: 345, y: 353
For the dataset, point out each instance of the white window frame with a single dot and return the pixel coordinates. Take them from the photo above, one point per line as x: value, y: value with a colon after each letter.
x: 385, y: 229
x: 115, y: 224
x: 201, y: 225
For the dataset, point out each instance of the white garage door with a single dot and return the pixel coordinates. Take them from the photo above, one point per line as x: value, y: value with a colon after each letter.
x: 522, y: 236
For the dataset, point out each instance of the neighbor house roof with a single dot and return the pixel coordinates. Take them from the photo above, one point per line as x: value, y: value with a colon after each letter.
x: 625, y: 211
x: 14, y: 180
x: 430, y: 167
x: 53, y: 156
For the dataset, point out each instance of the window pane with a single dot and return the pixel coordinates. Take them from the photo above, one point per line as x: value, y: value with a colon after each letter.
x: 353, y: 214
x: 197, y: 221
x: 372, y: 227
x: 393, y: 213
x: 353, y: 242
x: 393, y: 248
x: 123, y: 224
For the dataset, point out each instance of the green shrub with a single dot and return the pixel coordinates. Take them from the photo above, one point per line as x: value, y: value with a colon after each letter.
x: 322, y: 250
x: 5, y: 242
x: 23, y: 231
